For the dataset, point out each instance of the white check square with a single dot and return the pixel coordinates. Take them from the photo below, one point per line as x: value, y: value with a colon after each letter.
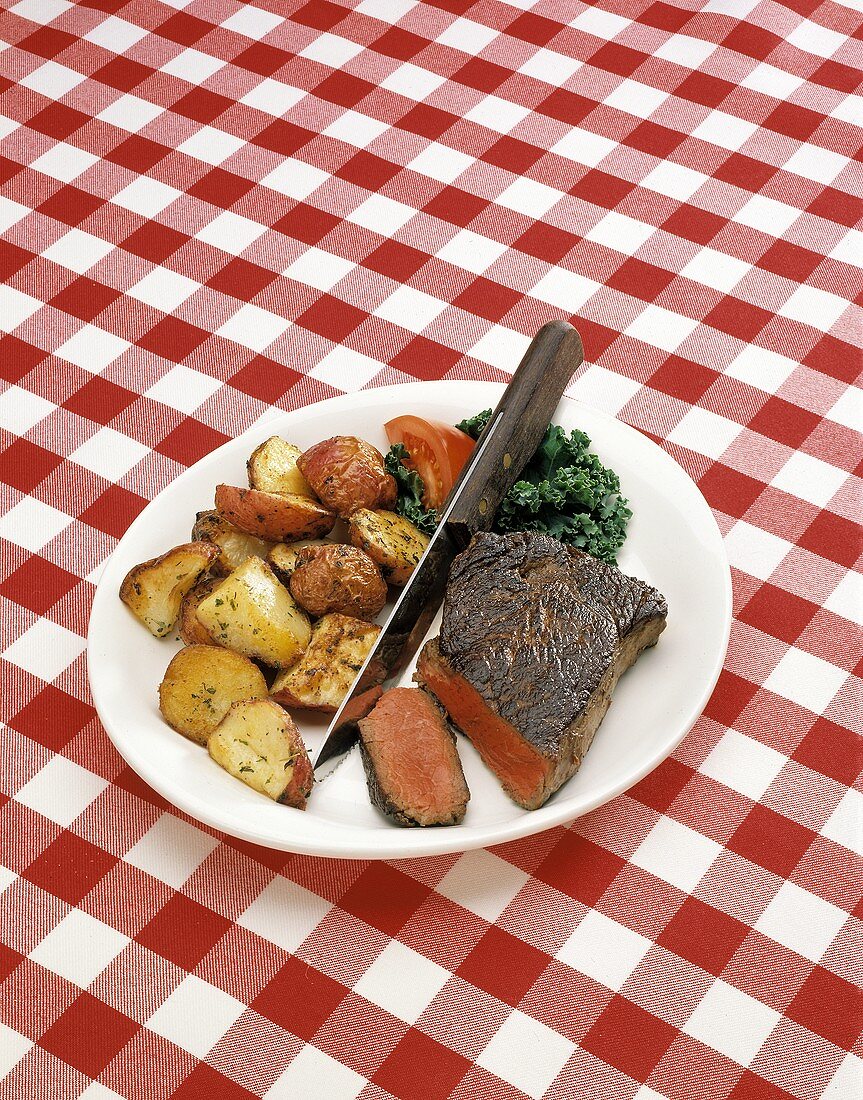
x: 772, y: 81
x: 716, y: 269
x: 109, y: 453
x: 40, y: 11
x: 801, y: 921
x: 313, y: 1074
x: 319, y: 269
x: 584, y: 147
x: 295, y: 178
x: 97, y: 1091
x: 483, y: 883
x: 682, y: 49
x: 382, y: 215
x: 52, y: 80
x: 402, y: 981
x: 529, y: 197
x: 284, y: 913
x: 389, y: 11
x: 676, y: 854
x: 467, y: 36
x: 816, y: 38
x: 813, y: 306
x: 636, y: 98
x: 182, y: 388
x: 78, y: 251
x: 147, y: 197
x: 805, y: 679
x: 471, y: 251
x: 194, y: 66
x: 601, y: 23
x: 849, y: 250
x: 705, y: 432
x: 847, y: 1080
x: 768, y: 215
x: 412, y: 82
x: 273, y: 97
x: 253, y: 327
x: 565, y: 289
x: 13, y: 1045
x: 743, y: 764
x: 606, y: 951
x: 675, y: 180
x: 164, y: 289
x: 846, y: 599
x: 331, y: 50
x: 849, y: 109
x: 61, y: 790
x: 526, y: 1054
x: 848, y: 410
x: 816, y: 163
x: 252, y: 22
x: 16, y: 307
x: 356, y: 129
x: 171, y: 850
x: 550, y: 67
x: 130, y: 113
x: 32, y: 524
x: 661, y: 328
x: 724, y: 130
x: 346, y: 370
x: 11, y: 213
x: 64, y: 162
x: 211, y: 145
x: 92, y: 348
x: 755, y: 551
x: 621, y: 233
x: 46, y: 649
x: 845, y: 824
x: 231, y: 232
x: 497, y: 114
x: 410, y: 308
x: 501, y: 347
x: 439, y: 162
x: 116, y: 35
x: 20, y: 410
x: 79, y: 948
x: 731, y: 1022
x: 810, y: 478
x: 196, y: 1016
x: 763, y: 369
x: 604, y: 389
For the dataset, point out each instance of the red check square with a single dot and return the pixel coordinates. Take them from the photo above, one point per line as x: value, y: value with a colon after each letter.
x: 503, y: 966
x: 579, y: 868
x: 421, y: 1069
x: 300, y: 998
x: 88, y: 1035
x: 831, y: 750
x: 18, y: 358
x: 206, y: 1083
x: 37, y: 584
x: 52, y: 718
x: 332, y: 318
x: 703, y: 935
x: 629, y: 1038
x: 829, y: 1006
x: 384, y: 898
x: 99, y: 400
x: 778, y: 613
x: 183, y: 931
x: 69, y: 867
x: 24, y: 464
x: 771, y: 840
x: 114, y: 510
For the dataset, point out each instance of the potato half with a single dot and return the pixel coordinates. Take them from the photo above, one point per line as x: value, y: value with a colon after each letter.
x: 325, y: 673
x: 273, y: 468
x: 285, y: 556
x: 390, y: 540
x: 253, y: 613
x: 273, y: 516
x: 155, y: 589
x: 200, y: 686
x: 234, y: 545
x: 258, y: 743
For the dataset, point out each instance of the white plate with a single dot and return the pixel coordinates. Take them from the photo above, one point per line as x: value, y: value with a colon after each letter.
x: 673, y: 543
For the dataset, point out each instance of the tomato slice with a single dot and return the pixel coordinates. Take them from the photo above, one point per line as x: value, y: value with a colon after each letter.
x: 437, y: 451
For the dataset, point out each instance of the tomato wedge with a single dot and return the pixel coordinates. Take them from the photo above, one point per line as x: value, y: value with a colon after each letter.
x: 437, y: 453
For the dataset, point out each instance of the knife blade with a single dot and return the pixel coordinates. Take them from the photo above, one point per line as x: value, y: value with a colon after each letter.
x: 513, y: 433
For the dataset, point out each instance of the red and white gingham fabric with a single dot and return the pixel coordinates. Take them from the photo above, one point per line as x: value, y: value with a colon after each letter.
x: 209, y: 209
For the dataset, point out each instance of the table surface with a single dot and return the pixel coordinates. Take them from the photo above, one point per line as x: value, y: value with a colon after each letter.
x: 210, y: 209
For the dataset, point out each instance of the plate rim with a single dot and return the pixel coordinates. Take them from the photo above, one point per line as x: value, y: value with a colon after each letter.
x: 395, y: 843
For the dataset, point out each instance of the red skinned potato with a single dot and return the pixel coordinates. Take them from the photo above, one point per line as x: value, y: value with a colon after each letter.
x: 275, y: 517
x: 347, y: 473
x: 338, y: 578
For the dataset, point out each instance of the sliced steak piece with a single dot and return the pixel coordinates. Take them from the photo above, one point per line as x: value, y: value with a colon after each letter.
x: 534, y: 637
x: 412, y: 765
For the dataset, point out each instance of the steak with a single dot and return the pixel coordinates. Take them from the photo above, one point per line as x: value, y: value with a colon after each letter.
x: 412, y: 767
x: 534, y: 637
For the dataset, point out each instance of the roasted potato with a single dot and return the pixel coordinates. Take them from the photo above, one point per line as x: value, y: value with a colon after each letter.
x: 273, y: 468
x: 390, y: 540
x: 325, y: 673
x: 338, y: 578
x: 155, y: 589
x: 285, y: 556
x: 276, y: 517
x: 253, y: 613
x: 189, y: 626
x: 234, y: 545
x: 201, y: 685
x: 347, y: 473
x: 258, y: 743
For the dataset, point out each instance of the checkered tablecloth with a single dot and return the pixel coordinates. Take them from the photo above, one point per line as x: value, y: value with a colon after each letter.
x: 209, y: 209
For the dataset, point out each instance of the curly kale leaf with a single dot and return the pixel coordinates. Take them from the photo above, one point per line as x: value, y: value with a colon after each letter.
x: 410, y: 490
x: 474, y: 425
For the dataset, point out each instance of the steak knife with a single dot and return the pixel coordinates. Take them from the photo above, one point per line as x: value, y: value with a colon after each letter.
x: 510, y: 438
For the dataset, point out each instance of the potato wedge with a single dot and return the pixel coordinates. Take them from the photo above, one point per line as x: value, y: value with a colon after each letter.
x: 189, y: 626
x: 273, y: 516
x: 200, y: 686
x: 285, y: 556
x: 234, y: 545
x: 325, y: 673
x: 390, y: 540
x: 258, y: 743
x: 154, y: 590
x: 253, y: 613
x: 338, y: 578
x: 273, y: 468
x: 347, y: 473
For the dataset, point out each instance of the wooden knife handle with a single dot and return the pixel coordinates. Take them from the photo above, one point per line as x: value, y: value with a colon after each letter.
x: 516, y: 427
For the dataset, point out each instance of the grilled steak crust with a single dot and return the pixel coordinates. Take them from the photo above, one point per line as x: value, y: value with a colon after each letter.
x: 412, y: 767
x: 534, y: 637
